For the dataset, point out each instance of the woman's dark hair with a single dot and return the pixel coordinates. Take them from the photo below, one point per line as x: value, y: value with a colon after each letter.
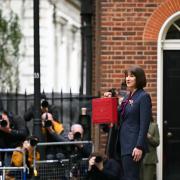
x: 139, y: 73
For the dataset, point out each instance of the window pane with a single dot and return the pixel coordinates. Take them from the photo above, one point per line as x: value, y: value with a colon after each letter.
x: 174, y: 31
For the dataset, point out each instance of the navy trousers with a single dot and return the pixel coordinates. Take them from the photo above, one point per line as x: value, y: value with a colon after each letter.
x: 131, y: 169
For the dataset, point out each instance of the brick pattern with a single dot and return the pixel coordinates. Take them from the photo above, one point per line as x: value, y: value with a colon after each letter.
x: 158, y: 17
x: 127, y: 35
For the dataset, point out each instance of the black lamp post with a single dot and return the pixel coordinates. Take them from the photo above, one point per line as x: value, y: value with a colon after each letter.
x: 37, y: 90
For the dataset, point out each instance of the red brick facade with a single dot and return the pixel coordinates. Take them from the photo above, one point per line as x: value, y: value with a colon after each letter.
x: 126, y: 32
x: 158, y: 17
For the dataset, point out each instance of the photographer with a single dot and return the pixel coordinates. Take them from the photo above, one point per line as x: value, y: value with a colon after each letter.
x: 77, y: 152
x: 52, y: 131
x: 12, y: 132
x: 45, y: 107
x: 28, y: 148
x: 103, y: 168
x: 76, y: 134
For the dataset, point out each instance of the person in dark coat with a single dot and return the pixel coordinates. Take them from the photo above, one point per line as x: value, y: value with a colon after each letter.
x: 77, y: 134
x: 135, y: 114
x: 13, y: 132
x: 52, y: 131
x: 78, y: 152
x: 102, y: 168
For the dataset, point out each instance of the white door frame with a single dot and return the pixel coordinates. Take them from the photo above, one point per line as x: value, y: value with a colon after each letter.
x: 162, y: 45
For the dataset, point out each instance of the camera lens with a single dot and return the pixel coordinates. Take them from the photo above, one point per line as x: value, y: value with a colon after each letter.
x: 44, y: 104
x: 98, y: 159
x: 77, y: 136
x: 33, y: 142
x: 3, y: 123
x: 47, y: 123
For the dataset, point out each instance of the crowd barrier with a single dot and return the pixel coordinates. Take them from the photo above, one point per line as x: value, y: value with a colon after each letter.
x: 13, y: 173
x: 62, y: 169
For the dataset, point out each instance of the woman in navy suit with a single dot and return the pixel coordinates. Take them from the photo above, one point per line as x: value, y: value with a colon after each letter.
x: 135, y: 114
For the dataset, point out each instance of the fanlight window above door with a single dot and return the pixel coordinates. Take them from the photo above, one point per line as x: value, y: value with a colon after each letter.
x: 174, y: 31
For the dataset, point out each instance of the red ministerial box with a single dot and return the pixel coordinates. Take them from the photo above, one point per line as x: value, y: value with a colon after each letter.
x: 104, y: 110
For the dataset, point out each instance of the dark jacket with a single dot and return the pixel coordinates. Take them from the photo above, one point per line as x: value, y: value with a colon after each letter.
x: 134, y: 123
x: 73, y: 149
x: 78, y: 151
x: 113, y: 148
x: 57, y: 135
x: 111, y: 171
x: 16, y: 136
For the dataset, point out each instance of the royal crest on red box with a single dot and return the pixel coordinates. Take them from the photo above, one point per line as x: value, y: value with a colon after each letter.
x: 104, y: 110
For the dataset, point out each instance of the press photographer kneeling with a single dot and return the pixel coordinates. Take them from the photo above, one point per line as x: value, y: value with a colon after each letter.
x: 100, y: 167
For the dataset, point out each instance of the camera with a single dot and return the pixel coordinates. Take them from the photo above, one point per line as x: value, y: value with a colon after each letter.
x: 33, y: 141
x: 98, y: 159
x: 3, y: 122
x: 77, y: 136
x: 47, y: 123
x: 44, y: 103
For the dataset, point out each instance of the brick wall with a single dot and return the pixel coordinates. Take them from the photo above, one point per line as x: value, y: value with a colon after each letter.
x: 126, y: 33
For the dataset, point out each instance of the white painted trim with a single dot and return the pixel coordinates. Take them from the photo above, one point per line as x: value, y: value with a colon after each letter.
x: 171, y: 44
x: 159, y: 109
x: 161, y: 38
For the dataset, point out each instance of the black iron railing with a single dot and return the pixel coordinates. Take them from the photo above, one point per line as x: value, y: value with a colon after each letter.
x: 68, y: 105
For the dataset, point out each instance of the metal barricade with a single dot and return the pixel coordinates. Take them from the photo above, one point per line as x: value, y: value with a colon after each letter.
x: 64, y: 169
x: 10, y: 172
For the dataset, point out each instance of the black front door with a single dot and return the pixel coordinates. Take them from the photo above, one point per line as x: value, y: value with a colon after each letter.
x: 171, y: 115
